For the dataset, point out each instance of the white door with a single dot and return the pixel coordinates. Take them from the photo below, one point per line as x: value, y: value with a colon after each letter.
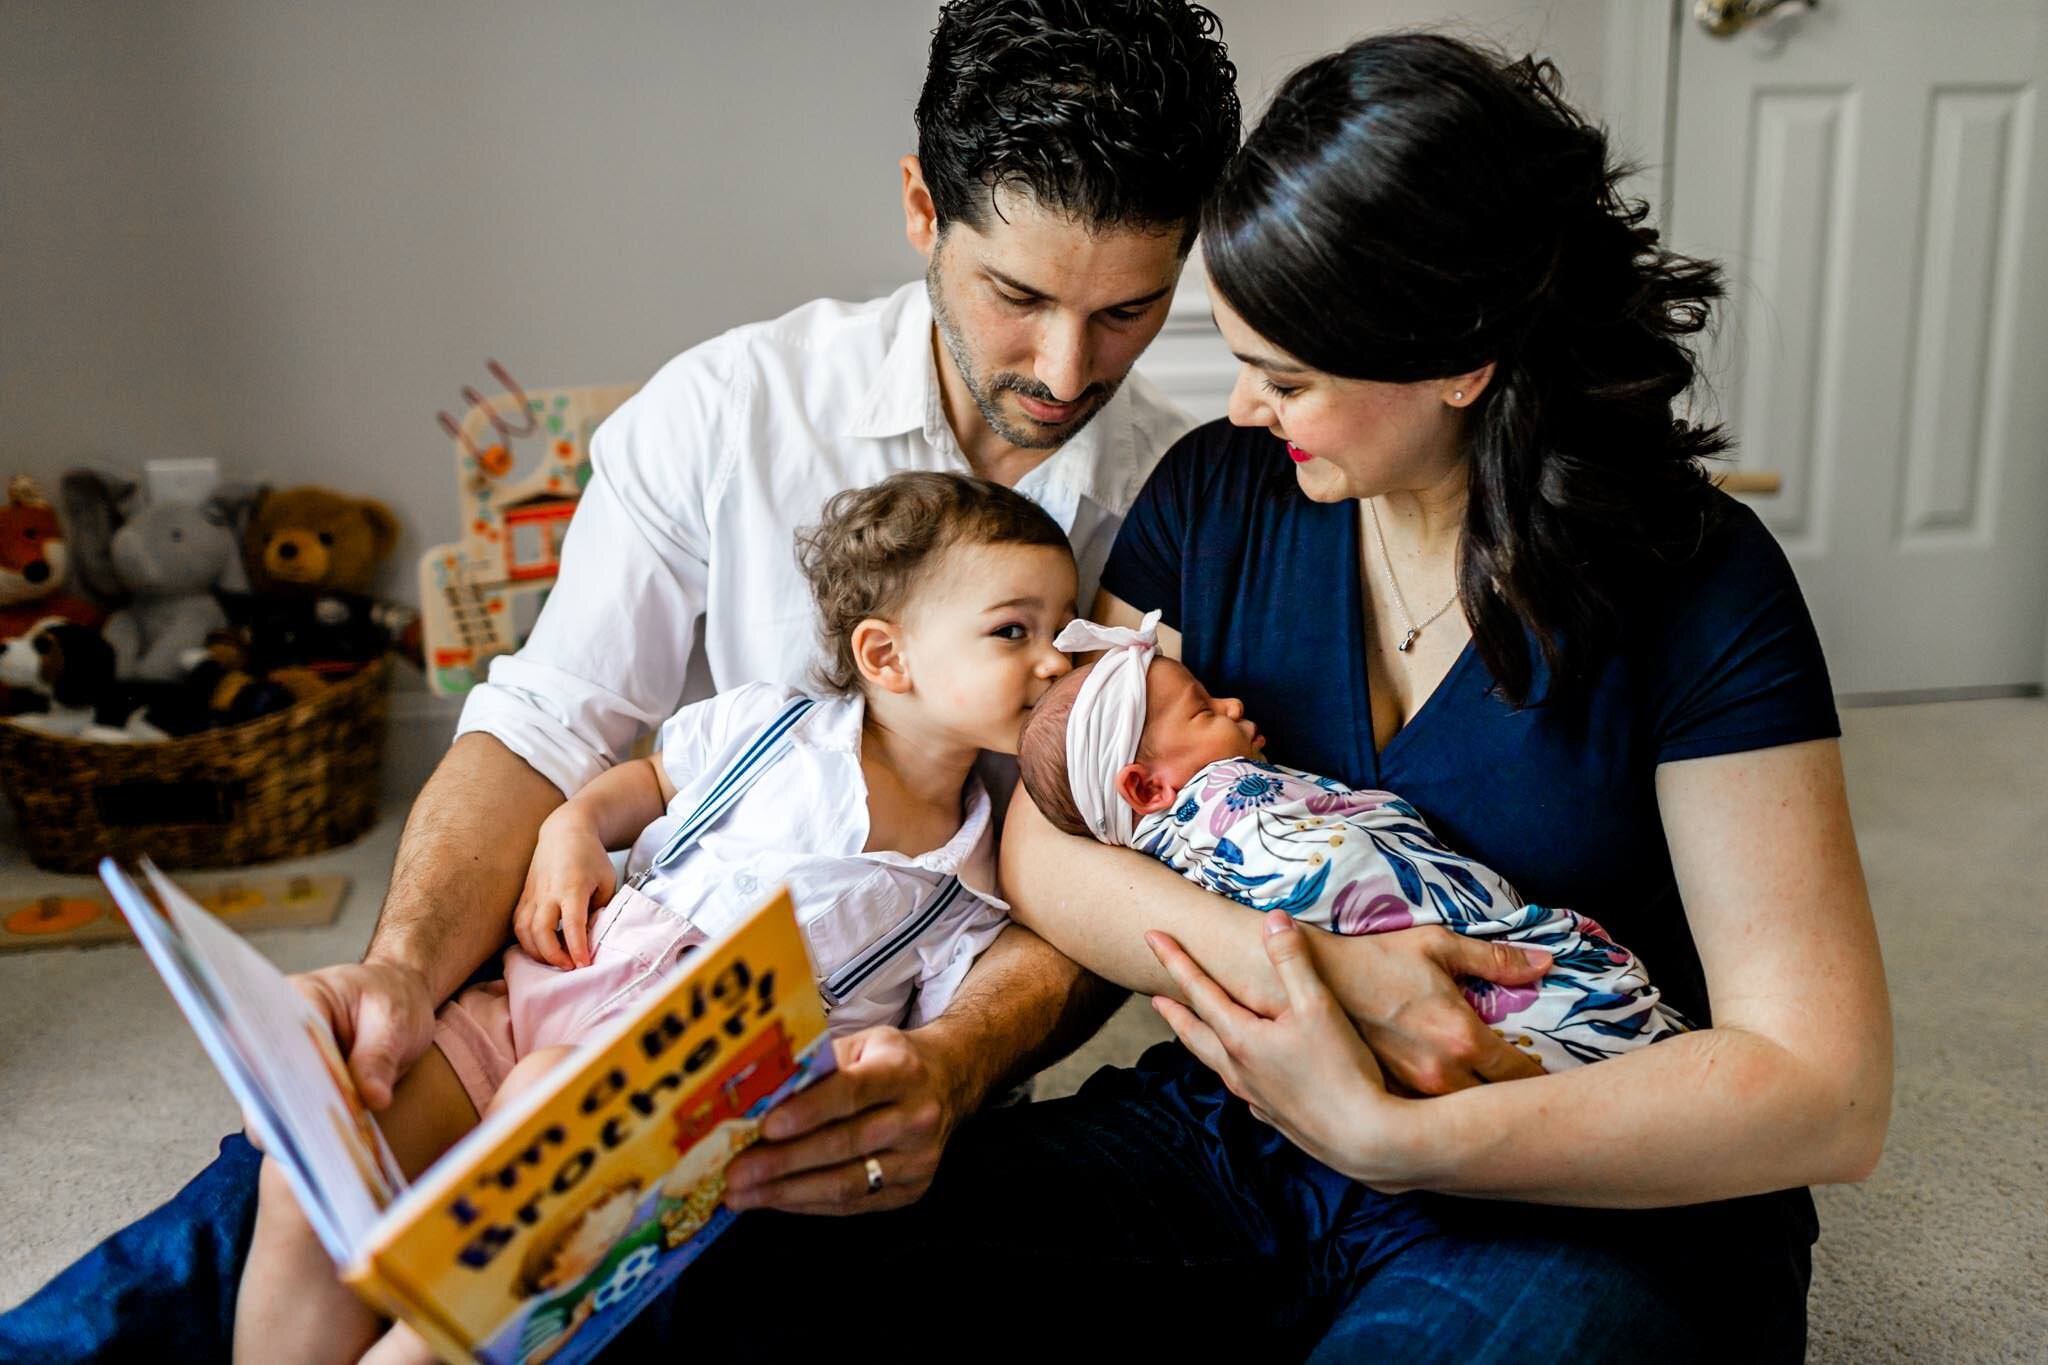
x: 1874, y: 175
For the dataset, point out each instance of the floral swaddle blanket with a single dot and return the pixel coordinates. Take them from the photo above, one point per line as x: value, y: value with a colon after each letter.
x: 1363, y: 862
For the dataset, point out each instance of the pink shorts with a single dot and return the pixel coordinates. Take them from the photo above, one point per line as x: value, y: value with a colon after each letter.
x: 634, y: 943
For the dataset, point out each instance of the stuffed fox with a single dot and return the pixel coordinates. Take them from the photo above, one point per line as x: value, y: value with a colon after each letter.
x: 34, y: 564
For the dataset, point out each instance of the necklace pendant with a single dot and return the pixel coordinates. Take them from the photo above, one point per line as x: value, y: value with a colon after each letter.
x: 1408, y: 639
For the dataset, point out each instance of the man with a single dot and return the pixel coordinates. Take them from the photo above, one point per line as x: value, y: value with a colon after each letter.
x: 1063, y: 151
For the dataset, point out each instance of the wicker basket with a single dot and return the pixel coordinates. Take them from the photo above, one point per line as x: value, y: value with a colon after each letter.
x: 291, y: 783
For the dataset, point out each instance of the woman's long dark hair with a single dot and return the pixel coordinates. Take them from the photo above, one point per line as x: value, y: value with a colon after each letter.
x: 1412, y: 208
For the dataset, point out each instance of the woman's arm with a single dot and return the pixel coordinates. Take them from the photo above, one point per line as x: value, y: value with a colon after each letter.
x: 1792, y: 1086
x: 1095, y: 903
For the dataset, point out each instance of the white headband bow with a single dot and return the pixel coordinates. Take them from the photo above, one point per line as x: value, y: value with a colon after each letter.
x: 1108, y: 717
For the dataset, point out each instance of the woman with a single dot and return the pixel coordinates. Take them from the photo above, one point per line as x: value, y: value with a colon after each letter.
x: 1453, y: 543
x: 1456, y: 546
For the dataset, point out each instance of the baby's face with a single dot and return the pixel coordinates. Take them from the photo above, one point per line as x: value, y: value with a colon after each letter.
x: 1186, y: 729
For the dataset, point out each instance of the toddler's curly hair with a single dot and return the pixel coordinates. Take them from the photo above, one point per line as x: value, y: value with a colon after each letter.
x: 875, y: 545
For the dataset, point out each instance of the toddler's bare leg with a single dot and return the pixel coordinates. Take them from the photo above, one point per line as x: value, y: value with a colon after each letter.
x: 529, y: 1069
x: 401, y: 1345
x: 291, y: 1304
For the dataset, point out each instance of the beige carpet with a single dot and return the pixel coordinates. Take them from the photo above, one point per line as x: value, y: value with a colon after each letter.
x: 107, y: 1104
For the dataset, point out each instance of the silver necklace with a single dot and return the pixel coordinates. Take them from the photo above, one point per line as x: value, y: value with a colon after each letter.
x: 1415, y: 627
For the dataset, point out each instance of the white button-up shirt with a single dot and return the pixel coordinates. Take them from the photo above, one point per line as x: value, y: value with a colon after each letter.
x: 889, y: 947
x: 698, y: 486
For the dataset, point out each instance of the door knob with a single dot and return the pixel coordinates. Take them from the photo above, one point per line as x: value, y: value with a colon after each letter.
x: 1726, y: 18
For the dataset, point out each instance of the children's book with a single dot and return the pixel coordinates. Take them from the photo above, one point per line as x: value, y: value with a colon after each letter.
x: 541, y: 1233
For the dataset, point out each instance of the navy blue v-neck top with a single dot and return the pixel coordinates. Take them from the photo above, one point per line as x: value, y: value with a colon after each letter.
x: 1264, y: 586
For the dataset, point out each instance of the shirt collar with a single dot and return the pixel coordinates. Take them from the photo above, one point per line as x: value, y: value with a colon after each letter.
x: 968, y: 855
x: 1098, y: 464
x: 904, y: 396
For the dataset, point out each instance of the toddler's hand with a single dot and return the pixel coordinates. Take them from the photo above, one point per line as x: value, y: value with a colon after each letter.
x: 571, y: 874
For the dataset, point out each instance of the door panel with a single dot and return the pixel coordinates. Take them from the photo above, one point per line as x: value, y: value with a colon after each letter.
x: 1872, y: 175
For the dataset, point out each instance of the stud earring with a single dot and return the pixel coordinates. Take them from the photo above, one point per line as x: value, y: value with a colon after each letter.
x: 1457, y: 395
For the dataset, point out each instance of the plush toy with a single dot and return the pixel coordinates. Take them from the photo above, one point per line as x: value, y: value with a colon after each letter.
x: 34, y: 560
x: 162, y: 563
x: 68, y: 664
x: 225, y: 685
x: 311, y: 541
x: 312, y: 556
x: 72, y: 666
x: 33, y: 567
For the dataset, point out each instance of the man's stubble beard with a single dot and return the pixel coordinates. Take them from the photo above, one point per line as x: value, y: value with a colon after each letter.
x: 987, y: 396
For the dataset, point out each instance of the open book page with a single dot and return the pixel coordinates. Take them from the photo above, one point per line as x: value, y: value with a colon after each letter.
x: 544, y: 1230
x: 277, y: 1055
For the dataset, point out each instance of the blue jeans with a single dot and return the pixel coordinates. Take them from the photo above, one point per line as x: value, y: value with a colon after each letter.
x: 162, y: 1288
x: 1148, y: 1212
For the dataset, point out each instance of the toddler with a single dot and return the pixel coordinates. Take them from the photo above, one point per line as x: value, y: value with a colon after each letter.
x: 1131, y: 750
x: 939, y: 596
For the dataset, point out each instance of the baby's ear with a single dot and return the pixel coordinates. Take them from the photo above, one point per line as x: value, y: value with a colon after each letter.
x: 1142, y: 790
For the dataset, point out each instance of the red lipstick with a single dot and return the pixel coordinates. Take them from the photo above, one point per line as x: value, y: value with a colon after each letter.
x: 1297, y: 454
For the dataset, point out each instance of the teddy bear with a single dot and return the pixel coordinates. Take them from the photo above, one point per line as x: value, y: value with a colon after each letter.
x: 34, y: 564
x: 162, y: 563
x: 311, y: 556
x: 313, y: 541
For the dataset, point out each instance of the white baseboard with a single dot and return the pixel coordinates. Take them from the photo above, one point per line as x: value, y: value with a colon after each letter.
x: 1848, y: 700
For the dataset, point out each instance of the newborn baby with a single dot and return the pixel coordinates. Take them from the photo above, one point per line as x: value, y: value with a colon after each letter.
x: 1131, y: 750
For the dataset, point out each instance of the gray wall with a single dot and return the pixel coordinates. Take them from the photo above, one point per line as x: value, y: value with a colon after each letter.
x: 286, y: 235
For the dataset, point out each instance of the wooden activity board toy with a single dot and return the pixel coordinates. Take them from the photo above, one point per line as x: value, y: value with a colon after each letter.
x: 522, y: 458
x: 79, y: 918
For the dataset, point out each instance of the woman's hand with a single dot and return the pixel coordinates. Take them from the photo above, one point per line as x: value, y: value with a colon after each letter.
x: 1401, y: 990
x: 1094, y: 903
x: 570, y: 874
x: 1305, y: 1071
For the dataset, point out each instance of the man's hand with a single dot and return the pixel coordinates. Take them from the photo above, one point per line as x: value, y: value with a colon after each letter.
x: 1401, y: 989
x: 383, y: 1019
x: 891, y: 1099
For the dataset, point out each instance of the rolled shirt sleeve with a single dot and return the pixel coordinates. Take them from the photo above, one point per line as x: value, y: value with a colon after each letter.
x: 607, y: 658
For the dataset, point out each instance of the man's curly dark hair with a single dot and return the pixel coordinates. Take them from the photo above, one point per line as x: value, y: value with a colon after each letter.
x: 1119, y: 113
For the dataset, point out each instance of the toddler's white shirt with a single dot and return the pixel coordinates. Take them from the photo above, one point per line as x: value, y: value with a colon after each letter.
x: 804, y: 824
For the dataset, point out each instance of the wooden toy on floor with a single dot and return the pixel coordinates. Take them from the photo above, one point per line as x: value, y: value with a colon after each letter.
x: 85, y: 916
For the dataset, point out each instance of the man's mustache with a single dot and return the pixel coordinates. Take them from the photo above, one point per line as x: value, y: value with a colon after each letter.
x: 1031, y: 388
